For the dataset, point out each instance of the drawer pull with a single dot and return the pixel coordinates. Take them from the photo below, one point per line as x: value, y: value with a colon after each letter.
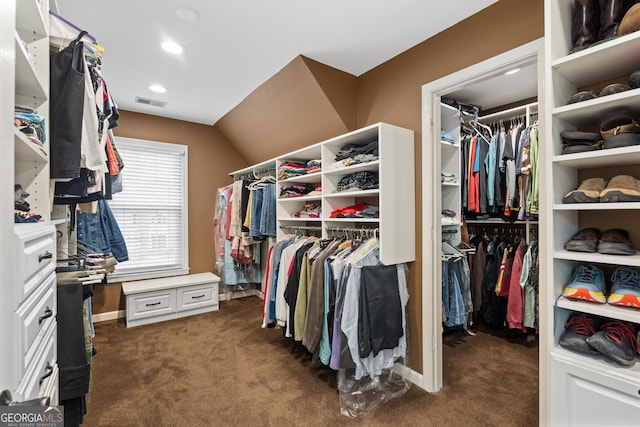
x: 49, y: 372
x: 152, y: 304
x: 47, y: 313
x: 198, y: 297
x: 46, y: 255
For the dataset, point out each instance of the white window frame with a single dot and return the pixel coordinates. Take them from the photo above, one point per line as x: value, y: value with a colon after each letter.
x: 155, y: 147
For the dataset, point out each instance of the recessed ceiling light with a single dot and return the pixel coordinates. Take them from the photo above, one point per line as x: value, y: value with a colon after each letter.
x: 158, y: 88
x: 515, y: 70
x: 187, y: 14
x: 172, y: 47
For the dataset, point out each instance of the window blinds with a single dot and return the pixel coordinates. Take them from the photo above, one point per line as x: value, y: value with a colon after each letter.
x: 152, y: 208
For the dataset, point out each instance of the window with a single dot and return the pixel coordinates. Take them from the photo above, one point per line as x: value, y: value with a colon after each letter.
x: 152, y: 209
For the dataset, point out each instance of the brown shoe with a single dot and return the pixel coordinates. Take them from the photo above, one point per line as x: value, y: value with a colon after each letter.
x: 588, y: 191
x: 616, y: 241
x: 621, y: 188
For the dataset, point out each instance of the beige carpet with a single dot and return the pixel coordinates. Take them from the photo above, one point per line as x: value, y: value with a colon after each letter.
x: 222, y: 369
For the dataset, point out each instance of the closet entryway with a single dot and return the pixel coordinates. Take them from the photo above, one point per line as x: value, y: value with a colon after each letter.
x: 474, y: 324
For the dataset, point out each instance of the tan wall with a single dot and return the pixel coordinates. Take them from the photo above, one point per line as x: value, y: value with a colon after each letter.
x: 211, y: 158
x: 389, y: 93
x: 392, y: 93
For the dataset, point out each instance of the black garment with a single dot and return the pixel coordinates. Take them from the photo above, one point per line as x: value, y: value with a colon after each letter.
x: 74, y: 411
x: 495, y: 306
x: 380, y: 310
x: 352, y: 150
x: 346, y: 361
x: 244, y: 203
x: 73, y: 360
x: 363, y: 180
x: 77, y: 190
x: 293, y: 284
x: 66, y: 109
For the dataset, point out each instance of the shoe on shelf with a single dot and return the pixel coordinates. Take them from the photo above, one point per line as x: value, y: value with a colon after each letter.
x: 585, y: 240
x: 587, y: 192
x: 586, y: 284
x: 621, y: 188
x: 578, y: 328
x: 625, y: 287
x: 617, y: 340
x: 616, y: 241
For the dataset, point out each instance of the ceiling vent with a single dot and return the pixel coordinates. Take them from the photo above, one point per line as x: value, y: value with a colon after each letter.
x: 153, y: 102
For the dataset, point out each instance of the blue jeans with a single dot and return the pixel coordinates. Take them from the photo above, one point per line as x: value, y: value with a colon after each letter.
x: 256, y: 213
x: 268, y: 217
x: 452, y: 302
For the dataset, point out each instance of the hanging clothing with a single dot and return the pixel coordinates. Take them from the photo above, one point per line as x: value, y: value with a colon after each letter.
x: 515, y: 305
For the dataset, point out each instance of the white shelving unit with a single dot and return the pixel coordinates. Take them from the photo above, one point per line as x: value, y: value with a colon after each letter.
x: 578, y: 389
x: 450, y: 163
x: 394, y: 196
x: 28, y: 367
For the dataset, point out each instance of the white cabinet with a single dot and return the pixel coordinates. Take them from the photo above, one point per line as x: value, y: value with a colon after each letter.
x: 28, y: 366
x: 157, y: 300
x: 578, y: 389
x: 394, y: 195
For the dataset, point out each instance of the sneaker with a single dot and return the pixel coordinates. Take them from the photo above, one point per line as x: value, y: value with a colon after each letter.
x: 586, y: 284
x: 617, y: 340
x: 625, y: 287
x: 578, y: 328
x: 585, y: 240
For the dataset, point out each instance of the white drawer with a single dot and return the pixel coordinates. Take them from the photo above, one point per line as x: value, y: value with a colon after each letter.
x: 197, y: 296
x: 151, y: 304
x: 39, y: 370
x: 35, y: 255
x: 49, y: 387
x: 35, y: 317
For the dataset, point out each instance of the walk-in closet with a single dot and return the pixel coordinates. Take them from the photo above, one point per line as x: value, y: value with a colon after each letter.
x: 292, y: 213
x: 480, y: 138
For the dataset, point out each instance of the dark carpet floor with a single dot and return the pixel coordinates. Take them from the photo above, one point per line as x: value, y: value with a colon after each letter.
x: 222, y: 369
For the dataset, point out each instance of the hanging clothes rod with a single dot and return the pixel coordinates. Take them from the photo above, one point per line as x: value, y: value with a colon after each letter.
x: 365, y: 230
x: 256, y: 174
x: 72, y: 25
x: 301, y: 227
x: 505, y: 114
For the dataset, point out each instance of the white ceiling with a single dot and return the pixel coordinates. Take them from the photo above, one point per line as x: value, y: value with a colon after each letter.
x: 236, y: 45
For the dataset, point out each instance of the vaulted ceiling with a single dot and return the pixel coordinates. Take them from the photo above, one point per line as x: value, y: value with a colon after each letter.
x: 232, y: 47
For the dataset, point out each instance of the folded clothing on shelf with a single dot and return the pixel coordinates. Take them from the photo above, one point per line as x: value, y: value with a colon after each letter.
x: 296, y: 190
x: 352, y: 150
x: 359, y: 210
x: 309, y: 210
x: 30, y: 123
x: 291, y: 169
x: 363, y: 180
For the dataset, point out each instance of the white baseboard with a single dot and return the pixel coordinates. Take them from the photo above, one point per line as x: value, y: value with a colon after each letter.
x: 110, y: 315
x: 408, y: 373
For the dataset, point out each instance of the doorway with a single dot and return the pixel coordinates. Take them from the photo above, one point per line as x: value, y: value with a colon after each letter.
x: 482, y: 84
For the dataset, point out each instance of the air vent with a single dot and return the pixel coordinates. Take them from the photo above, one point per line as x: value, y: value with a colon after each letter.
x: 147, y: 101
